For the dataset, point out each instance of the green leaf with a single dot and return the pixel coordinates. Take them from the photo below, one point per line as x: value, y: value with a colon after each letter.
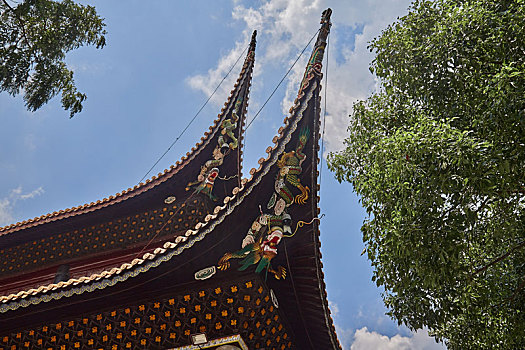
x: 437, y: 158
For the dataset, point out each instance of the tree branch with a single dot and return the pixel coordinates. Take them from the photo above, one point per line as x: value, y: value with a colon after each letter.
x: 22, y: 23
x: 500, y: 258
x: 516, y: 292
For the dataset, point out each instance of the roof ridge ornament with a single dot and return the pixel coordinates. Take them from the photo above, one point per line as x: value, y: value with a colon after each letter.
x: 230, y: 136
x: 253, y: 41
x: 315, y: 63
x: 259, y: 246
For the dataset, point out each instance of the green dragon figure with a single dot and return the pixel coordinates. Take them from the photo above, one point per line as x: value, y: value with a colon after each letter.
x: 290, y: 168
x: 260, y: 245
x: 228, y: 126
x: 209, y: 172
x: 226, y: 142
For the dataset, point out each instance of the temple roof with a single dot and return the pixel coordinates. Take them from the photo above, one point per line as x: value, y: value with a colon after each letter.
x: 229, y: 220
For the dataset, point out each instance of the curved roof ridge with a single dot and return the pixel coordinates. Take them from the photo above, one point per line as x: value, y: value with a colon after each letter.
x: 161, y: 177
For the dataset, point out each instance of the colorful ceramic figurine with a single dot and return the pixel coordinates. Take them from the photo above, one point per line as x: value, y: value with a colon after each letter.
x: 206, y: 186
x: 228, y: 126
x: 226, y: 142
x: 259, y: 246
x: 289, y: 170
x: 209, y: 172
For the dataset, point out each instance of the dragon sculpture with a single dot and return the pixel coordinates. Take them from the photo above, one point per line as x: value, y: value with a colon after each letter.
x: 259, y: 246
x: 289, y: 170
x: 226, y: 142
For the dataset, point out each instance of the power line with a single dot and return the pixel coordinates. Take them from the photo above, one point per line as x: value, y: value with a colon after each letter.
x: 274, y: 90
x: 284, y: 77
x: 194, y: 117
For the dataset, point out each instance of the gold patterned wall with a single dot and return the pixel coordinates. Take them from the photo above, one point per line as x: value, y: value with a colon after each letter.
x: 243, y: 308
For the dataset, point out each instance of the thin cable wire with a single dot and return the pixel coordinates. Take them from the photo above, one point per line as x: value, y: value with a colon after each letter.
x: 324, y: 116
x: 274, y: 90
x: 195, y: 116
x: 296, y: 296
x: 163, y: 226
x: 301, y: 223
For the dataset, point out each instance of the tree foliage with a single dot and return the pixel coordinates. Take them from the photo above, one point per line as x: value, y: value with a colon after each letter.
x: 35, y: 36
x: 438, y: 158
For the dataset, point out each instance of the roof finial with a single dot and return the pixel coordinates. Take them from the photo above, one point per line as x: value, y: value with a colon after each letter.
x: 252, y: 43
x: 315, y: 62
x: 325, y: 26
x: 325, y: 17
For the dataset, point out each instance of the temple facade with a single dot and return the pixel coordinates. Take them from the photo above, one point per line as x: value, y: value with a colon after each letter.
x: 197, y: 257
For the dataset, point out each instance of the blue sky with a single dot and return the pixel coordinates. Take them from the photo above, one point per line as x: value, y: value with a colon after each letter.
x: 161, y: 62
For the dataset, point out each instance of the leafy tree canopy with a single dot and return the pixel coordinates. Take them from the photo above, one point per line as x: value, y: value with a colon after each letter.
x: 35, y: 36
x: 438, y: 158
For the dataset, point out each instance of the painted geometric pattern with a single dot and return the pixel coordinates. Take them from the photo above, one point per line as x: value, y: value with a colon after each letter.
x: 243, y: 308
x: 119, y: 233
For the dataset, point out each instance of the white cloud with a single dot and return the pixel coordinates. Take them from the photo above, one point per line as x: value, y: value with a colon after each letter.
x: 344, y: 335
x: 29, y: 141
x: 5, y: 211
x: 8, y: 203
x: 366, y: 340
x: 32, y: 194
x: 363, y: 339
x: 207, y: 82
x: 286, y: 25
